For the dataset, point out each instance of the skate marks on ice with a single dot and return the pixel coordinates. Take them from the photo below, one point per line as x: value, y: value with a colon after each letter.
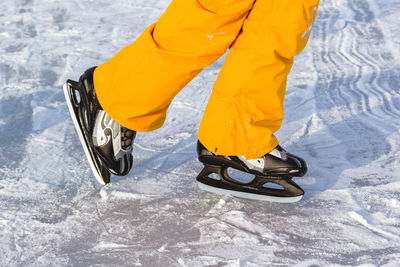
x: 350, y: 132
x: 53, y: 213
x: 158, y: 219
x: 15, y: 128
x: 354, y: 109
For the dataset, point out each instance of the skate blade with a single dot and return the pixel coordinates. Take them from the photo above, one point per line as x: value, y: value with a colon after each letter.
x: 80, y: 135
x: 220, y: 191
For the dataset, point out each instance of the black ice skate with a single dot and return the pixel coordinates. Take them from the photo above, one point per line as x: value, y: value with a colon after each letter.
x: 277, y: 167
x: 107, y: 145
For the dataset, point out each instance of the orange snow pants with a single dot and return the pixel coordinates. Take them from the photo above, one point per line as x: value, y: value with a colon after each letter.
x: 137, y: 85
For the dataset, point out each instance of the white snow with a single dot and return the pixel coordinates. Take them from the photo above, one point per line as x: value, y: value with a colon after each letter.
x: 342, y: 114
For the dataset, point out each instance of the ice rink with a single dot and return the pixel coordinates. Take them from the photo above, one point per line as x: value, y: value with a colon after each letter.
x: 342, y: 114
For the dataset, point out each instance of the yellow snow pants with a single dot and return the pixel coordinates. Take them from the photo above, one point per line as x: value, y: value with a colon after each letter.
x: 137, y: 85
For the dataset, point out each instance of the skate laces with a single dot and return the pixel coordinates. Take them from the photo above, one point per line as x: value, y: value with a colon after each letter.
x: 127, y: 137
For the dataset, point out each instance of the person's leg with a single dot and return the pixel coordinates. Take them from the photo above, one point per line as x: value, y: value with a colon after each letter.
x: 137, y: 85
x: 246, y: 105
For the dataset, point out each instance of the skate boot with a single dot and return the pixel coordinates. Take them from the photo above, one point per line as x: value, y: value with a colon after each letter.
x: 271, y: 175
x: 107, y: 144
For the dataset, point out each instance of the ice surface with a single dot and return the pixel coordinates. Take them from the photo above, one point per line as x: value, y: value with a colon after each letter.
x: 342, y: 115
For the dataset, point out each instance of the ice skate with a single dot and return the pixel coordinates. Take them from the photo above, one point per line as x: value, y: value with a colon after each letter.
x: 107, y: 144
x: 277, y: 167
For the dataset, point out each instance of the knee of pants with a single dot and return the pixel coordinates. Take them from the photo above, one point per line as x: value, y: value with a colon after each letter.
x: 222, y: 6
x: 282, y: 27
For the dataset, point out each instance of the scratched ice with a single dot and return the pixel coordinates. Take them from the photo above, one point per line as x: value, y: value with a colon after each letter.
x: 342, y: 114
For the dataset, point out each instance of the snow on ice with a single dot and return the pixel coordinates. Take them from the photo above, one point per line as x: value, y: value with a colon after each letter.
x: 342, y: 115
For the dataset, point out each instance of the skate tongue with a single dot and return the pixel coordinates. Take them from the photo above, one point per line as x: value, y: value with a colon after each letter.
x: 253, y: 164
x: 279, y: 153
